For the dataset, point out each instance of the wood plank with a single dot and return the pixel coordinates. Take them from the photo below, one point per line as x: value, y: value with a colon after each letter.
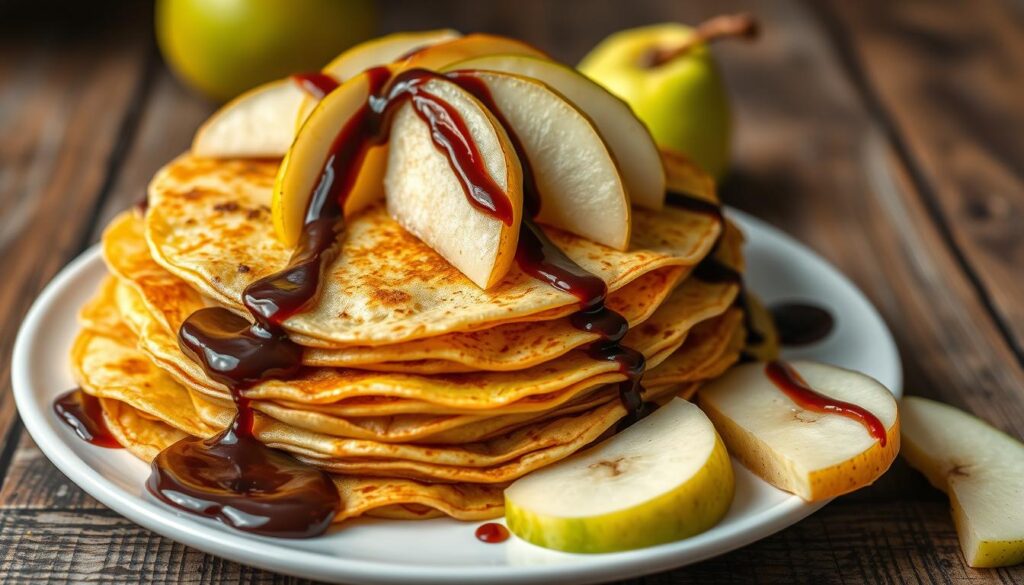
x: 170, y: 116
x: 33, y: 483
x: 947, y: 78
x: 911, y: 542
x: 75, y: 546
x: 66, y: 114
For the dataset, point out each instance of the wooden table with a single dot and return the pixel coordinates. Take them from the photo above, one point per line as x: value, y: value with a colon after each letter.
x: 888, y: 136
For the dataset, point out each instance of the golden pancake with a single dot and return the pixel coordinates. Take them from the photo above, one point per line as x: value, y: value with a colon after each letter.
x: 712, y: 347
x: 114, y: 368
x: 505, y: 347
x: 573, y: 372
x: 100, y: 313
x: 208, y: 223
x: 111, y: 367
x: 393, y: 498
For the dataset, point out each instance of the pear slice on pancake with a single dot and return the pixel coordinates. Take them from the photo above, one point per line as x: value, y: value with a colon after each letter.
x: 627, y: 137
x: 301, y: 174
x: 259, y: 123
x: 262, y: 121
x: 577, y: 178
x: 386, y: 49
x: 427, y: 196
x: 443, y: 54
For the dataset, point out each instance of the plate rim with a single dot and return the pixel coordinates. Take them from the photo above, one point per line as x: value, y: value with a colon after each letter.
x: 266, y: 554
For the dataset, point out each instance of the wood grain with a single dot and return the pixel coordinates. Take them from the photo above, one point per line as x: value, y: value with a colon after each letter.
x: 845, y: 543
x: 170, y: 116
x: 948, y: 81
x: 916, y: 199
x: 67, y: 108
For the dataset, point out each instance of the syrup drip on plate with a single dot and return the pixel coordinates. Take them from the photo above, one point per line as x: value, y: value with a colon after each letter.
x: 801, y: 323
x: 492, y: 533
x: 83, y: 413
x: 792, y: 384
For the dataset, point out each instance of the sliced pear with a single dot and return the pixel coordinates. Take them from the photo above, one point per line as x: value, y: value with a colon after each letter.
x: 425, y: 196
x: 626, y: 136
x: 262, y: 122
x: 382, y: 50
x: 443, y: 54
x: 815, y: 456
x: 579, y: 184
x: 258, y: 123
x: 373, y: 53
x: 301, y: 169
x: 982, y: 470
x: 665, y: 478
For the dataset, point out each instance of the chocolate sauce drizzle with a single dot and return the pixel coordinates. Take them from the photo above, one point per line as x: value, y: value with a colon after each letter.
x: 542, y: 259
x: 492, y: 533
x: 83, y: 413
x: 792, y: 384
x: 801, y: 323
x: 315, y: 83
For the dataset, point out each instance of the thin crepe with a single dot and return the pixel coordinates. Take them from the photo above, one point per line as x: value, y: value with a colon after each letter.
x: 208, y: 222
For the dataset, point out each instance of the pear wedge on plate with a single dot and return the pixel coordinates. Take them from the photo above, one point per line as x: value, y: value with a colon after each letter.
x: 626, y: 136
x: 982, y: 470
x: 813, y: 455
x: 426, y: 196
x: 665, y: 478
x: 579, y: 184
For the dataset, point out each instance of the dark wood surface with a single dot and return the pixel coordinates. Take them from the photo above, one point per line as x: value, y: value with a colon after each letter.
x: 888, y: 136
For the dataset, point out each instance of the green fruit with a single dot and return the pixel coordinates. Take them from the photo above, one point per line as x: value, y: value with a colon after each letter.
x: 683, y: 101
x: 663, y: 479
x: 224, y: 47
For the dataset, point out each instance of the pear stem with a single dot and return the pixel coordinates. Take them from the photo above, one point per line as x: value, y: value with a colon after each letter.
x: 737, y: 26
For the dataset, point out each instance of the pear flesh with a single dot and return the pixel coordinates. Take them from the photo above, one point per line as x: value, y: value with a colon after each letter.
x: 579, y: 184
x: 425, y: 196
x: 982, y: 470
x: 626, y: 136
x: 263, y: 121
x: 813, y: 455
x: 258, y: 123
x: 665, y: 478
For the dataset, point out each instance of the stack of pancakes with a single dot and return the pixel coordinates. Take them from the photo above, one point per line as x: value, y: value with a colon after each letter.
x: 422, y: 394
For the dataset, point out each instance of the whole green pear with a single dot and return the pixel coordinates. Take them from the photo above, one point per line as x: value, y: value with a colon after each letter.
x: 683, y: 101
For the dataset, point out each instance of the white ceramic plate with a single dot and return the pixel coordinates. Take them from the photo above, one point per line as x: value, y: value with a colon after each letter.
x: 442, y: 550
